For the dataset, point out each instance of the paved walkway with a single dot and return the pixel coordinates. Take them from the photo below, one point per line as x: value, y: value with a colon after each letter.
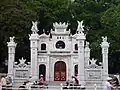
x: 55, y: 83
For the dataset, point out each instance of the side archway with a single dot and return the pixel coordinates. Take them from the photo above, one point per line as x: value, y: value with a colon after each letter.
x: 42, y: 70
x: 76, y: 70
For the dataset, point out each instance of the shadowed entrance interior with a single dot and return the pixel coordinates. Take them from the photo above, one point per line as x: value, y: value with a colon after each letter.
x: 60, y: 71
x: 76, y: 70
x: 42, y: 70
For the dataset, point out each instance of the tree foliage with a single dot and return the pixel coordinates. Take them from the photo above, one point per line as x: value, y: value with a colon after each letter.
x: 15, y: 20
x: 111, y: 21
x: 101, y: 18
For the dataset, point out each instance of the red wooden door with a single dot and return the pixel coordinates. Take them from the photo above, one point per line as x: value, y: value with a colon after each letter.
x: 60, y: 71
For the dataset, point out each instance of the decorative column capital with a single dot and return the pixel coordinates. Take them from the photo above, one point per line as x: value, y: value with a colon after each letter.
x: 11, y: 43
x: 104, y: 43
x: 33, y: 36
x: 80, y: 36
x: 34, y: 40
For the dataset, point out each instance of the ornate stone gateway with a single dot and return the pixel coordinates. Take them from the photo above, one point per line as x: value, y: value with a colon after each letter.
x: 60, y: 71
x: 57, y: 57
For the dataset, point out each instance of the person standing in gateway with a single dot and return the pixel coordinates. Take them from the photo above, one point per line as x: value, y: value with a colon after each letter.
x: 41, y: 80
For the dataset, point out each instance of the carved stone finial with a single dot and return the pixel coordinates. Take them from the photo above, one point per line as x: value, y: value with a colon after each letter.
x: 22, y: 61
x: 104, y: 39
x: 87, y: 44
x: 100, y: 63
x: 93, y: 61
x: 60, y: 25
x: 104, y: 43
x: 80, y: 26
x: 12, y: 39
x: 43, y: 30
x: 34, y: 28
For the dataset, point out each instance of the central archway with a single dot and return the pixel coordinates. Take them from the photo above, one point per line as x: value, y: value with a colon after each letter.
x: 60, y: 71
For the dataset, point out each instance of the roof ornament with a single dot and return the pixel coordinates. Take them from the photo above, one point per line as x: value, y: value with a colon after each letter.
x: 93, y: 61
x: 104, y: 39
x: 80, y: 26
x: 34, y: 28
x: 12, y: 39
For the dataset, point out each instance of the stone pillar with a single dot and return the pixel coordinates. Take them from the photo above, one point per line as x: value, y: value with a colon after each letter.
x: 81, y: 68
x: 34, y: 55
x: 87, y: 54
x: 11, y: 55
x: 47, y: 69
x: 105, y: 46
x: 70, y: 68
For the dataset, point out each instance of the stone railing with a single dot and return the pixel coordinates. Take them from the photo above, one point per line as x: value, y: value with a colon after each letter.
x: 44, y: 87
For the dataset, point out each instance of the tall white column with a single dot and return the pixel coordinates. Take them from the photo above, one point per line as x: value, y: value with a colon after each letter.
x: 105, y: 46
x: 81, y: 64
x: 34, y: 54
x: 34, y: 37
x: 87, y: 54
x: 47, y: 69
x: 80, y: 37
x: 11, y: 55
x: 70, y: 68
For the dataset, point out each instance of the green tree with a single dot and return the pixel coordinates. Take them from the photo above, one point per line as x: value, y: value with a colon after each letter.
x: 15, y: 20
x: 91, y: 11
x: 111, y: 21
x: 53, y: 11
x: 16, y: 17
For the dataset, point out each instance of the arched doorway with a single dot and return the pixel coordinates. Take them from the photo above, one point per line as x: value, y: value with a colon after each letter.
x: 60, y: 71
x: 76, y: 70
x: 42, y: 70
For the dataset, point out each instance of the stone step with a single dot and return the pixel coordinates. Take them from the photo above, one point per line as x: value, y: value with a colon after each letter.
x: 55, y: 83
